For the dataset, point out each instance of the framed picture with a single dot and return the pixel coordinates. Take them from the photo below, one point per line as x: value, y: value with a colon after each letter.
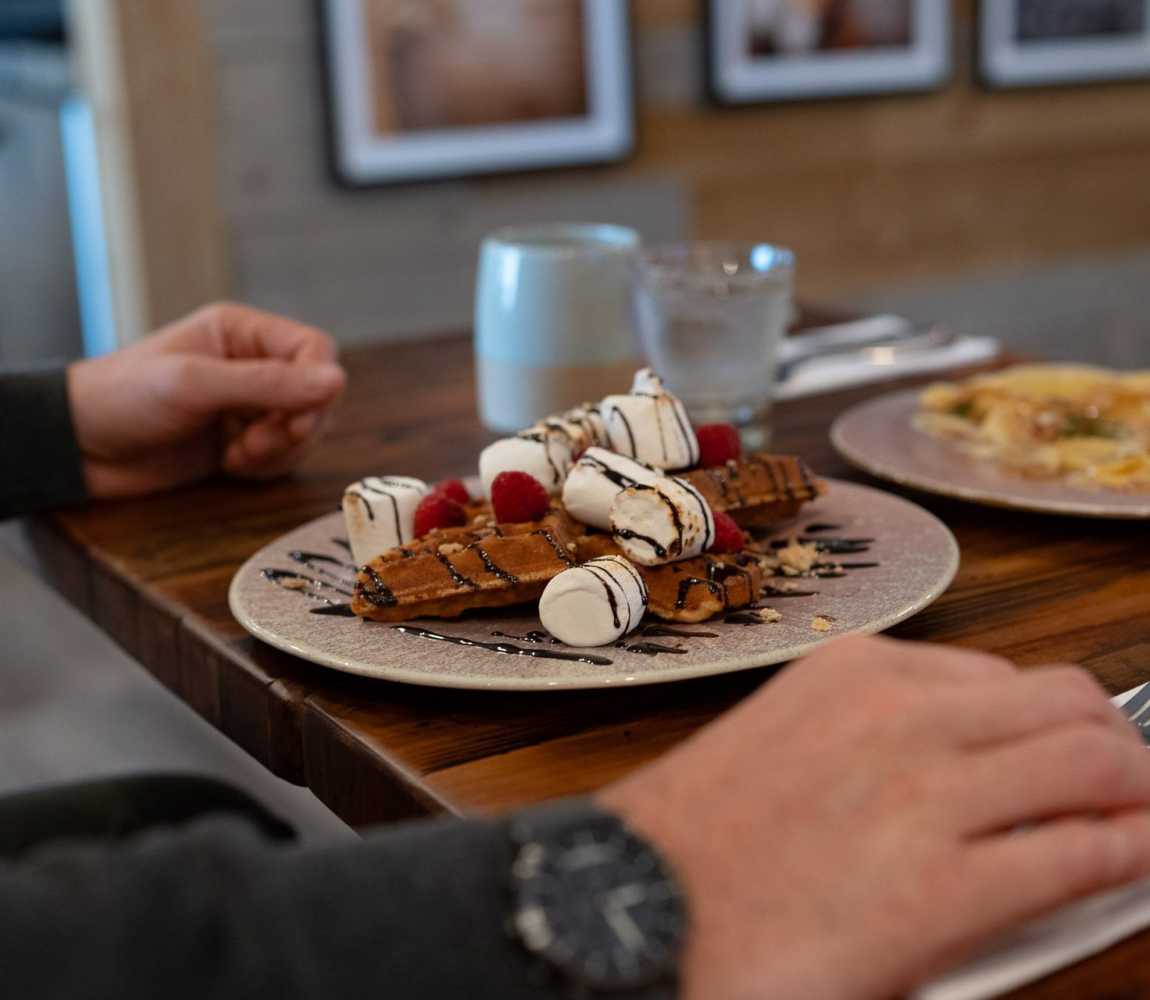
x: 421, y: 89
x: 1030, y: 43
x: 780, y: 50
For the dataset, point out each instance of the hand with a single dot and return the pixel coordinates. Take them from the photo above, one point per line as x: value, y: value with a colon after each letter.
x: 227, y: 389
x: 880, y: 809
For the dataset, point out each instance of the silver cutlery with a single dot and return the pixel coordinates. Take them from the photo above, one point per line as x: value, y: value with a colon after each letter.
x: 1137, y: 710
x: 885, y: 351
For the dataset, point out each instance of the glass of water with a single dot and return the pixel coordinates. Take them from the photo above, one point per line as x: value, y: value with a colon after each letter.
x: 711, y: 316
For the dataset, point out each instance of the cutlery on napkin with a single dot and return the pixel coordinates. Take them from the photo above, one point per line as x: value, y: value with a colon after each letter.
x: 871, y: 350
x: 1061, y: 939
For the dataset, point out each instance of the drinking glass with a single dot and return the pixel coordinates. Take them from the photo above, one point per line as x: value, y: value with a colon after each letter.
x: 710, y: 319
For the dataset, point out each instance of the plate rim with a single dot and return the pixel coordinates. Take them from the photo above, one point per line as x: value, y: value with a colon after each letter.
x: 668, y: 675
x: 986, y: 498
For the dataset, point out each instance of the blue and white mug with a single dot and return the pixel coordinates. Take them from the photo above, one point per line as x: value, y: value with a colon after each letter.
x: 554, y: 319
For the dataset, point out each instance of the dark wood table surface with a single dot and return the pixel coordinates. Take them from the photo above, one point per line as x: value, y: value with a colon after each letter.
x: 154, y: 574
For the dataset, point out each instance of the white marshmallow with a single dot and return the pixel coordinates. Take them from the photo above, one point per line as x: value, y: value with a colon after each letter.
x: 596, y: 479
x: 544, y: 454
x: 662, y: 523
x: 379, y: 512
x: 588, y: 417
x: 572, y: 432
x: 651, y: 425
x: 594, y: 604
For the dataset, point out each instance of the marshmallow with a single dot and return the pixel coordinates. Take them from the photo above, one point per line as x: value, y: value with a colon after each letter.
x: 379, y: 512
x: 572, y: 432
x: 650, y: 424
x: 542, y: 453
x: 662, y: 523
x: 594, y: 604
x: 590, y: 419
x: 597, y: 478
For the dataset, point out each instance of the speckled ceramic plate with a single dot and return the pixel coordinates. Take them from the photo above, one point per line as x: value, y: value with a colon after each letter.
x: 916, y: 559
x: 879, y: 437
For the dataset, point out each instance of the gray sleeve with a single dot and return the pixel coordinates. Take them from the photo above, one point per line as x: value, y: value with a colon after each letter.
x: 415, y: 911
x: 40, y: 462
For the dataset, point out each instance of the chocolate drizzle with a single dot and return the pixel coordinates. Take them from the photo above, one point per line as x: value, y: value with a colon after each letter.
x: 456, y: 577
x: 378, y: 593
x: 507, y: 648
x: 627, y: 534
x: 307, y: 558
x: 311, y: 559
x: 612, y: 475
x: 747, y: 617
x: 685, y: 587
x: 544, y: 439
x: 616, y: 412
x: 562, y: 553
x: 771, y: 591
x: 665, y: 631
x: 366, y: 503
x: 334, y: 610
x: 489, y: 564
x: 394, y: 484
x: 651, y: 648
x: 343, y: 543
x: 609, y: 583
x: 535, y: 635
x: 306, y: 586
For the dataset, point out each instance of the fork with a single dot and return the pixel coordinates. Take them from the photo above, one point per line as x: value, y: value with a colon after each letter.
x: 1137, y: 710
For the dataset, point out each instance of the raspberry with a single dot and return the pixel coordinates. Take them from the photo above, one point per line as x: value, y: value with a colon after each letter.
x: 517, y: 497
x: 728, y: 535
x: 453, y: 489
x: 437, y: 510
x: 718, y: 443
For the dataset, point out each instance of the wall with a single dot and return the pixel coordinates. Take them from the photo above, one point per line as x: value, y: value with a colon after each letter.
x: 868, y: 191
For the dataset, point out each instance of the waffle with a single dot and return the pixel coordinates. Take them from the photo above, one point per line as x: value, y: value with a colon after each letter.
x: 453, y: 570
x: 758, y: 490
x: 691, y: 590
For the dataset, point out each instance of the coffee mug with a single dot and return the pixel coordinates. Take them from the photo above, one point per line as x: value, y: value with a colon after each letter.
x: 554, y: 319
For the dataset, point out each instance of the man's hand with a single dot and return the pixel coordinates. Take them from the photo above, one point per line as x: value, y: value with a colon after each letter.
x: 882, y: 808
x: 228, y: 388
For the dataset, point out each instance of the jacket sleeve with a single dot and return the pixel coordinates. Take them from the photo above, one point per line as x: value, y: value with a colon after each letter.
x: 415, y: 911
x: 40, y: 462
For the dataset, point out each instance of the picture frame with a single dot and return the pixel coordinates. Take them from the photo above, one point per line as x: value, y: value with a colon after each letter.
x: 1043, y: 43
x: 424, y: 89
x: 760, y: 51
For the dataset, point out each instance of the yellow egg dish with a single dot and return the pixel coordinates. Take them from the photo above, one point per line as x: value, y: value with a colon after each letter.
x: 1089, y: 426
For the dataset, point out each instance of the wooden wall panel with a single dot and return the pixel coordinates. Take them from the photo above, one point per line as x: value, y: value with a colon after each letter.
x: 890, y: 189
x: 871, y: 192
x: 148, y: 74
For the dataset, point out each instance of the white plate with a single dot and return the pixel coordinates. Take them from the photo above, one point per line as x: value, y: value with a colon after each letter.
x: 878, y: 436
x: 916, y: 553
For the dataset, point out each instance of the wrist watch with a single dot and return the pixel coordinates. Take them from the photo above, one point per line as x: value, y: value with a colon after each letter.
x: 595, y: 902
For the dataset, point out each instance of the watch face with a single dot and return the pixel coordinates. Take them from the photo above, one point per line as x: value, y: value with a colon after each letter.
x: 598, y: 903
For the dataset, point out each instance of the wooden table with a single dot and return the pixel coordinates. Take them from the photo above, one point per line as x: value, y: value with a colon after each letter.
x: 154, y: 574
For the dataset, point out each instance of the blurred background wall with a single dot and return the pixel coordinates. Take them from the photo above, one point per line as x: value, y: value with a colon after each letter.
x: 1018, y: 212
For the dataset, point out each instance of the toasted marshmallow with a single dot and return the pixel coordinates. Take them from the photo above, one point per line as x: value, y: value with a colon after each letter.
x: 544, y: 454
x: 596, y: 479
x: 651, y: 425
x: 590, y: 419
x: 379, y: 512
x: 572, y: 432
x: 594, y: 604
x: 662, y: 523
